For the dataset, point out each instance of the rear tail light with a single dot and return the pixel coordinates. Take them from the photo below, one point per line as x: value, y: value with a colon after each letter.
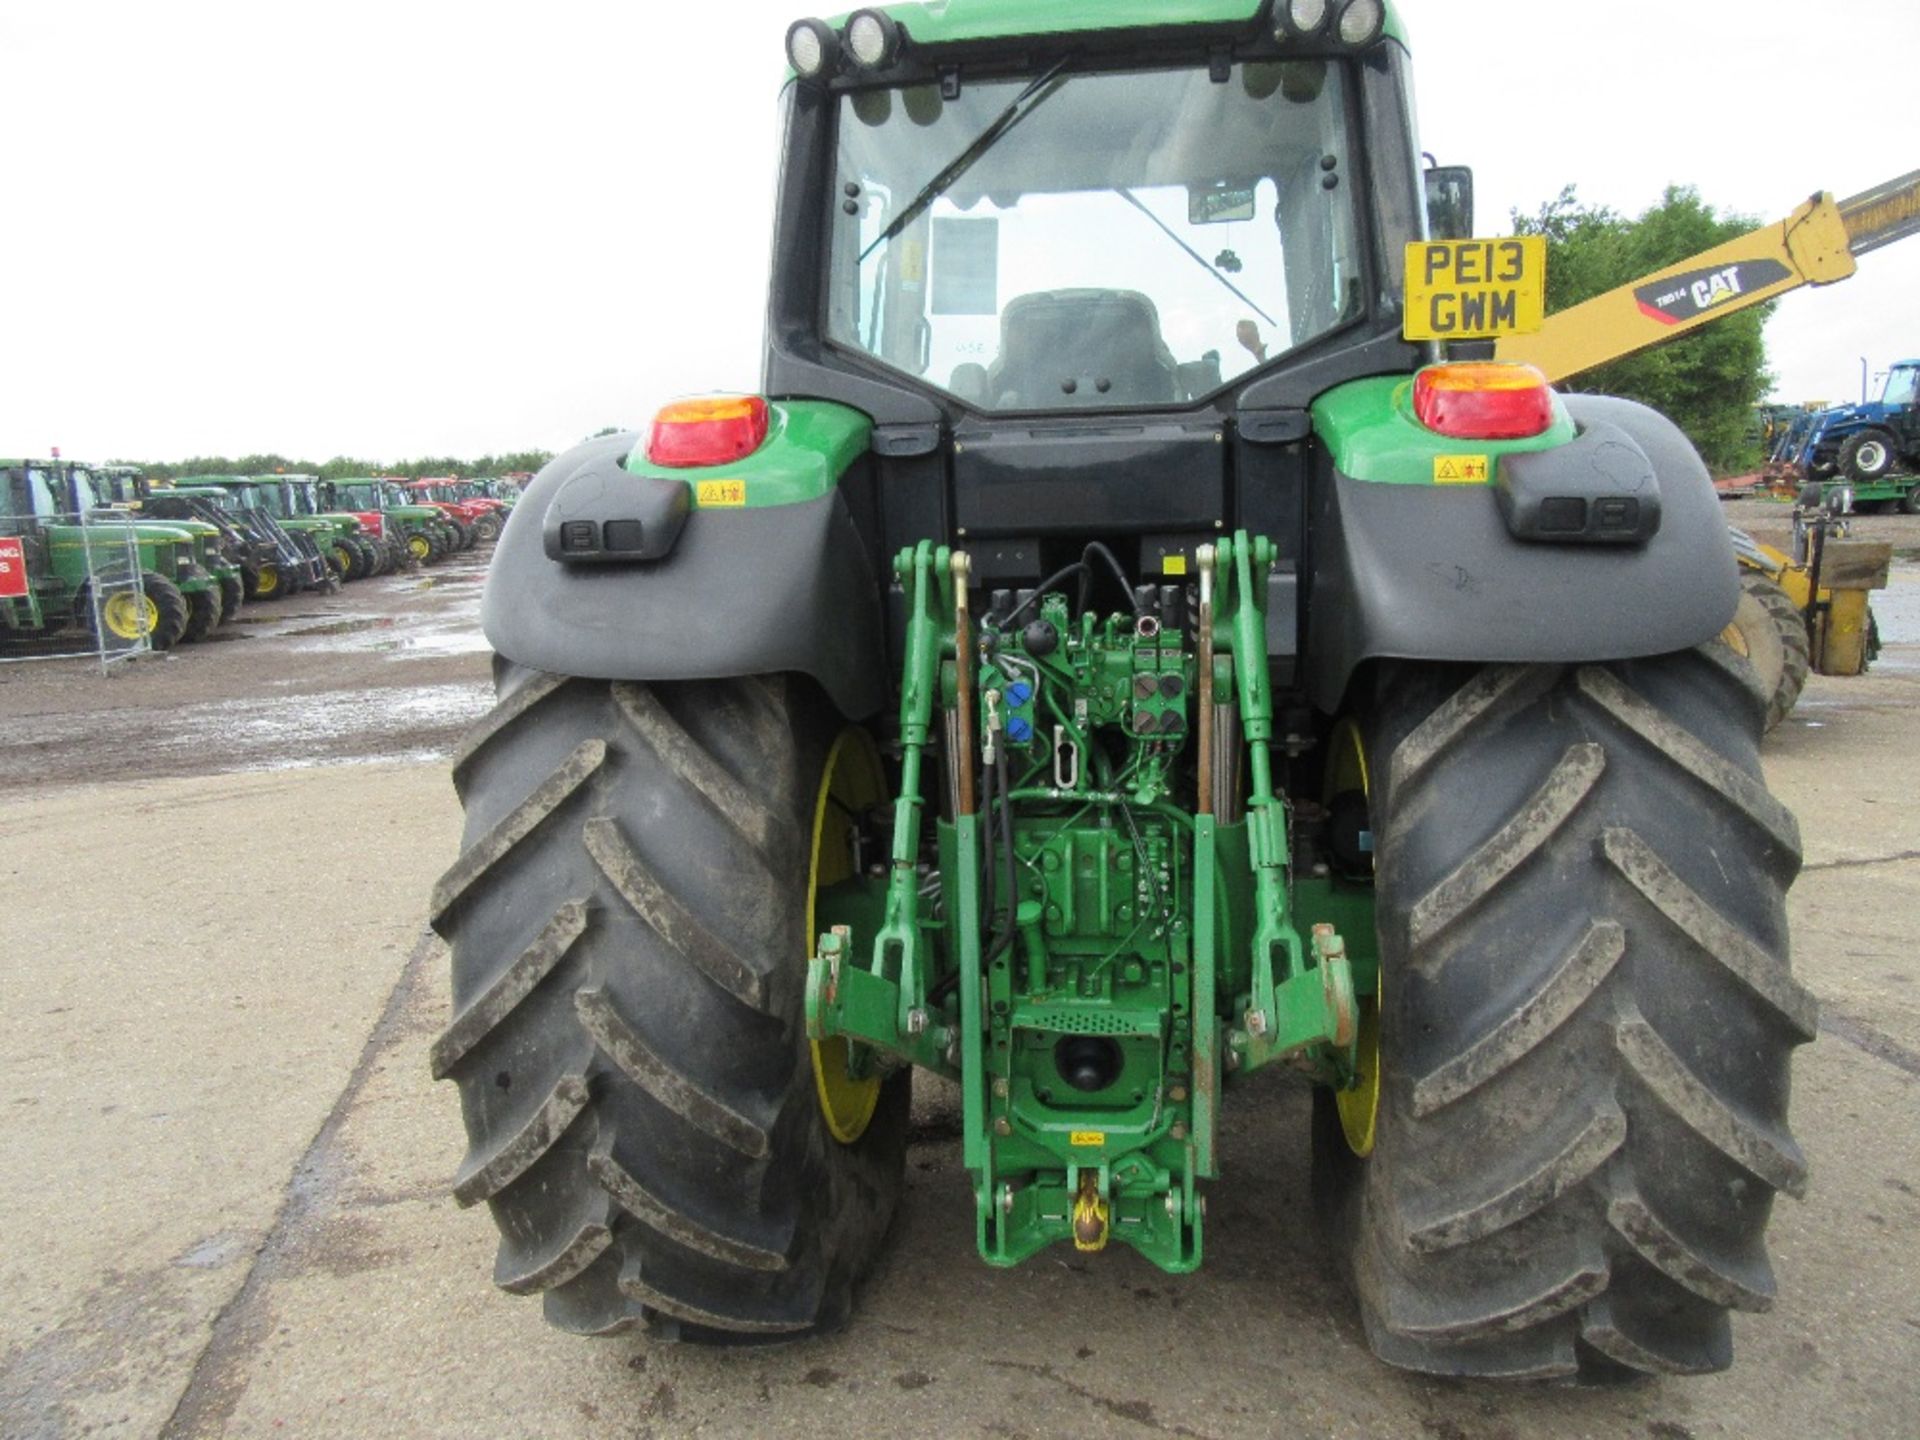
x: 1483, y: 400
x: 712, y: 430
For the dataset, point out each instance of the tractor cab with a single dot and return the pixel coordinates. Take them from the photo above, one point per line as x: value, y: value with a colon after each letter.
x: 421, y: 529
x: 287, y: 558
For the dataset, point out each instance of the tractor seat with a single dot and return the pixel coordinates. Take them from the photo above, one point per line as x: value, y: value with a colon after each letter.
x: 1094, y: 348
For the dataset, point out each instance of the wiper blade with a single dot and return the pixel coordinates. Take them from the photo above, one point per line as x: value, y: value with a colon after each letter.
x: 1198, y: 258
x: 1022, y: 105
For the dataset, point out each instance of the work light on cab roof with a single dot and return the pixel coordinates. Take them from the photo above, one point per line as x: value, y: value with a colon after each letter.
x: 813, y: 48
x: 708, y: 430
x: 871, y: 41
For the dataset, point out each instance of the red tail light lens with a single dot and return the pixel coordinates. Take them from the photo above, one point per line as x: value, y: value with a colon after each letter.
x: 713, y: 430
x: 1483, y: 400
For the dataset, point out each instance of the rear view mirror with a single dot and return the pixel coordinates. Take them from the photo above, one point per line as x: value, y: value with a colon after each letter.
x: 1449, y: 202
x: 1217, y: 204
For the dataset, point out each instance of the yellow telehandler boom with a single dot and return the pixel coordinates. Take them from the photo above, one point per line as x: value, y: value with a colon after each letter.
x: 1815, y: 245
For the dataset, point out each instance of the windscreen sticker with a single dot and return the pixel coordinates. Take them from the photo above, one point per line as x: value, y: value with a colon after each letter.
x: 1676, y: 299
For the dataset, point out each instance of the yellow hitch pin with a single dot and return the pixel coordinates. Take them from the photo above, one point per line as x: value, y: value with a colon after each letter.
x: 1089, y: 1214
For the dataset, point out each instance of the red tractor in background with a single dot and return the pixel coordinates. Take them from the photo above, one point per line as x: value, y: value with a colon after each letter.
x: 472, y: 520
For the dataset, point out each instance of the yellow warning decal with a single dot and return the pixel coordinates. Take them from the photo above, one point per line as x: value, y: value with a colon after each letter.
x: 1087, y: 1138
x: 1174, y: 565
x: 1458, y: 470
x: 720, y: 492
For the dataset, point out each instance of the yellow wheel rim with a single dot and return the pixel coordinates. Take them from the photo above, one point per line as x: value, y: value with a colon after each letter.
x: 1359, y: 1105
x: 343, y: 557
x: 420, y: 547
x: 853, y: 781
x: 130, y: 616
x: 267, y: 582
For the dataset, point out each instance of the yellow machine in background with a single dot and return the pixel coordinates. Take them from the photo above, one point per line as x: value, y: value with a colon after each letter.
x: 1796, y: 617
x: 1816, y: 245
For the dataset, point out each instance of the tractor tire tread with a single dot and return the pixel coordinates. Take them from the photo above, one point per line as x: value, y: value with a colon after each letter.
x: 1589, y: 1017
x: 627, y: 1032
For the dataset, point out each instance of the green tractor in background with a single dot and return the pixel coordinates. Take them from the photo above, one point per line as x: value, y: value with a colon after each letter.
x: 203, y: 582
x: 224, y: 548
x: 363, y: 533
x: 278, y: 562
x: 60, y: 558
x: 420, y: 530
x: 496, y: 488
x: 337, y: 539
x: 1126, y: 646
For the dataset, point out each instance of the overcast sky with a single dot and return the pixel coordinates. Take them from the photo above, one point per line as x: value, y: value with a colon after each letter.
x: 394, y: 229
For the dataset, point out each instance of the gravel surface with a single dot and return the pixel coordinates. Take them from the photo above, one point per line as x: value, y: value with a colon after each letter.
x: 227, y: 1171
x: 393, y: 667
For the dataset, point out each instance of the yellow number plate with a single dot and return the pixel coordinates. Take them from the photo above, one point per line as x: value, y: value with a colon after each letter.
x: 720, y: 492
x: 1087, y: 1138
x: 1474, y: 289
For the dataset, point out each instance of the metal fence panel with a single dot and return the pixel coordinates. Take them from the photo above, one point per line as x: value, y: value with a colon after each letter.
x: 71, y: 586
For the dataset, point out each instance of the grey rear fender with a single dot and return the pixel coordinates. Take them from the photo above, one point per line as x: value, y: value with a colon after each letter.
x: 741, y: 591
x: 1435, y: 573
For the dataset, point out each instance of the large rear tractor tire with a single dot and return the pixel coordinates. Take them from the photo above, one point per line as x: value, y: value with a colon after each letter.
x: 233, y: 590
x: 628, y: 922
x: 1772, y: 634
x: 1586, y: 1024
x: 486, y: 529
x: 203, y: 613
x: 269, y: 582
x: 1910, y: 502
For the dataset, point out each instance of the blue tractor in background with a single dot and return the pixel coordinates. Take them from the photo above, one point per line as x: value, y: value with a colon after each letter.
x: 1873, y: 447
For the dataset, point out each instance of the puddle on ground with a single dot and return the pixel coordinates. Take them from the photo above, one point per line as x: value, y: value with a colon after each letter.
x: 287, y: 732
x: 351, y: 625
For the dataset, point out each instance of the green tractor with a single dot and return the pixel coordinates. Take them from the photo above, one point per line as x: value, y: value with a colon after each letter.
x: 60, y: 560
x: 420, y: 531
x: 276, y: 562
x: 496, y: 488
x: 361, y: 536
x: 1122, y: 650
x: 223, y: 547
x: 346, y: 555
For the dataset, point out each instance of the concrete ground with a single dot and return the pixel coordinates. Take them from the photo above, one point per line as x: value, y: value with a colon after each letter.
x: 225, y: 1169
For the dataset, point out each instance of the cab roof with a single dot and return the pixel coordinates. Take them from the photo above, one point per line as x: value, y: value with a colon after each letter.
x: 938, y: 22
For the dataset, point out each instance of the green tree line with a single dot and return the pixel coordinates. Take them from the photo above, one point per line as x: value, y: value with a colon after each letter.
x: 1708, y: 381
x: 342, y: 467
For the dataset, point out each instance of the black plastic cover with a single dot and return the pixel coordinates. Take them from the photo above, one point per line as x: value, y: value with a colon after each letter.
x: 1111, y: 476
x: 602, y: 515
x: 787, y: 588
x: 1600, y: 490
x: 1431, y: 572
